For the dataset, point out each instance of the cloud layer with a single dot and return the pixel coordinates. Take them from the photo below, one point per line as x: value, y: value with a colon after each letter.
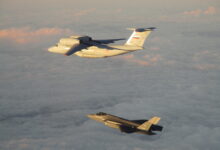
x: 146, y: 60
x: 211, y: 10
x: 45, y: 97
x: 27, y: 35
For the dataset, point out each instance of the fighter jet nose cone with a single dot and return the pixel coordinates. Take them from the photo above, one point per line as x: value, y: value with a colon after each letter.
x: 90, y: 116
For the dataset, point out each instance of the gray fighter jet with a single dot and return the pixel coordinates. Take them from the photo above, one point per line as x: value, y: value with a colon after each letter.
x: 85, y: 46
x: 128, y: 126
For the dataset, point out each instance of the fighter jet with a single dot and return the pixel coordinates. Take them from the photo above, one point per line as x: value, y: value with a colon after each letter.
x: 85, y: 46
x: 128, y: 126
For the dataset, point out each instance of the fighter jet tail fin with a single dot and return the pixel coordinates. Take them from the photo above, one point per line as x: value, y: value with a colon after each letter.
x: 148, y: 124
x: 139, y: 36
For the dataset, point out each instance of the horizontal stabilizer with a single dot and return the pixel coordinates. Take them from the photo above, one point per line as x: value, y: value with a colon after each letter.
x: 156, y: 128
x: 142, y: 29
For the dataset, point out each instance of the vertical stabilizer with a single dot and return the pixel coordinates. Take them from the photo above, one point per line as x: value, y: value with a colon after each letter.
x: 147, y: 125
x: 139, y: 36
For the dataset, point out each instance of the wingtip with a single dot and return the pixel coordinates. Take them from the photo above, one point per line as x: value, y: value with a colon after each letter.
x: 145, y: 29
x: 151, y: 28
x: 142, y: 29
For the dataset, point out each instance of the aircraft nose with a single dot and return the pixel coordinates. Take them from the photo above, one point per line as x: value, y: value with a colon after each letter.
x: 90, y: 116
x: 51, y: 49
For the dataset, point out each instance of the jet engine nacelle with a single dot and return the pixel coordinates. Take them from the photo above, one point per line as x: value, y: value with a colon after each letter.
x: 74, y: 40
x: 82, y: 38
x: 69, y: 41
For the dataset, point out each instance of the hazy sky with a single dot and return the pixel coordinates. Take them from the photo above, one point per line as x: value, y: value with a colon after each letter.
x: 44, y: 97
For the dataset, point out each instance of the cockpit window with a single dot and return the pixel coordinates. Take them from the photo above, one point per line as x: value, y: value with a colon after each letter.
x: 101, y: 113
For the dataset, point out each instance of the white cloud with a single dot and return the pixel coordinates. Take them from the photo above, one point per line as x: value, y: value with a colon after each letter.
x: 45, y: 97
x: 27, y: 35
x: 211, y: 10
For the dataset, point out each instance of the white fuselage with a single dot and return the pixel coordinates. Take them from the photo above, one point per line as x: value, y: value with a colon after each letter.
x: 98, y: 51
x: 106, y: 51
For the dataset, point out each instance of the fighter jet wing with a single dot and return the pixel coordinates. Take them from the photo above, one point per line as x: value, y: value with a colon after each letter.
x: 107, y: 41
x: 139, y: 121
x: 126, y: 129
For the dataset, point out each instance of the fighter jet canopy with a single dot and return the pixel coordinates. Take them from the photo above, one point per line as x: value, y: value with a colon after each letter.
x: 100, y: 113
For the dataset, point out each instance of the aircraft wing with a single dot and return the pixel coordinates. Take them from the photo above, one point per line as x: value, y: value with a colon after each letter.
x: 139, y: 121
x: 107, y: 41
x: 76, y: 48
x: 126, y: 129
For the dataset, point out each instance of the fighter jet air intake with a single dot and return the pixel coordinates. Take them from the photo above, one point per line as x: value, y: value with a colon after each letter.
x: 128, y: 126
x: 85, y: 46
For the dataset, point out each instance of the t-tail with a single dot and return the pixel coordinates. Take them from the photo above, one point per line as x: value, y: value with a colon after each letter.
x: 150, y: 125
x: 139, y: 36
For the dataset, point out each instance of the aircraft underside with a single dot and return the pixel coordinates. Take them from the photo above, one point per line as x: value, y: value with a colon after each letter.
x: 90, y: 53
x: 98, y: 51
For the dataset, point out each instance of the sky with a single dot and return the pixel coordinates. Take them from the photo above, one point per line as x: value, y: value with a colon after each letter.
x: 45, y: 97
